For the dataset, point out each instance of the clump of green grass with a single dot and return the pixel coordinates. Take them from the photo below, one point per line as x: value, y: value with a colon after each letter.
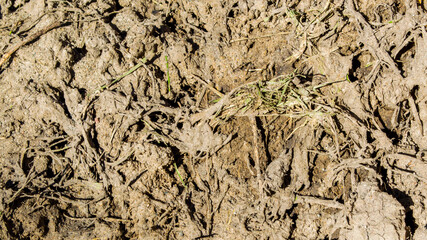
x: 278, y: 96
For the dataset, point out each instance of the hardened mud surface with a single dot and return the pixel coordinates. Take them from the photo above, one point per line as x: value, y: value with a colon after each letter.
x: 243, y: 119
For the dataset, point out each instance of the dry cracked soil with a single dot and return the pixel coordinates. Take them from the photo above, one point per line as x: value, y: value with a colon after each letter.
x: 191, y: 119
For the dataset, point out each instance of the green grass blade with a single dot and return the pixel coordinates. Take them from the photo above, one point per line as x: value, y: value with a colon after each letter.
x: 179, y: 175
x: 167, y: 74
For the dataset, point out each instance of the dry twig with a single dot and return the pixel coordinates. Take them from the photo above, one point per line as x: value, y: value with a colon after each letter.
x: 29, y: 39
x: 257, y: 148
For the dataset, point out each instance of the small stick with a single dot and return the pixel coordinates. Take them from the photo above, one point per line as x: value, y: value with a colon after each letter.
x: 220, y: 94
x: 370, y: 39
x: 257, y: 148
x: 31, y: 176
x: 133, y: 69
x: 259, y: 37
x: 316, y: 200
x: 29, y: 39
x: 415, y: 113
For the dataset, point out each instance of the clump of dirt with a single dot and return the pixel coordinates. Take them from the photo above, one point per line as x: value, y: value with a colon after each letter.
x: 223, y: 119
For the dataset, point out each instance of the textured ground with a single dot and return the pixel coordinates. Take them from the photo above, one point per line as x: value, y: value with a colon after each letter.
x: 241, y: 119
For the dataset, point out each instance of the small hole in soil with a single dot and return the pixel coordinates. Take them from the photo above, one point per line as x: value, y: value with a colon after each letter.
x: 82, y: 92
x: 27, y: 162
x: 251, y: 162
x: 355, y: 64
x: 406, y: 202
x: 414, y: 92
x: 10, y: 184
x: 231, y: 14
x: 404, y: 57
x: 194, y: 45
x: 361, y: 66
x: 403, y: 198
x: 390, y: 134
x: 410, y: 221
x: 369, y: 137
x: 170, y: 23
x: 79, y: 53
